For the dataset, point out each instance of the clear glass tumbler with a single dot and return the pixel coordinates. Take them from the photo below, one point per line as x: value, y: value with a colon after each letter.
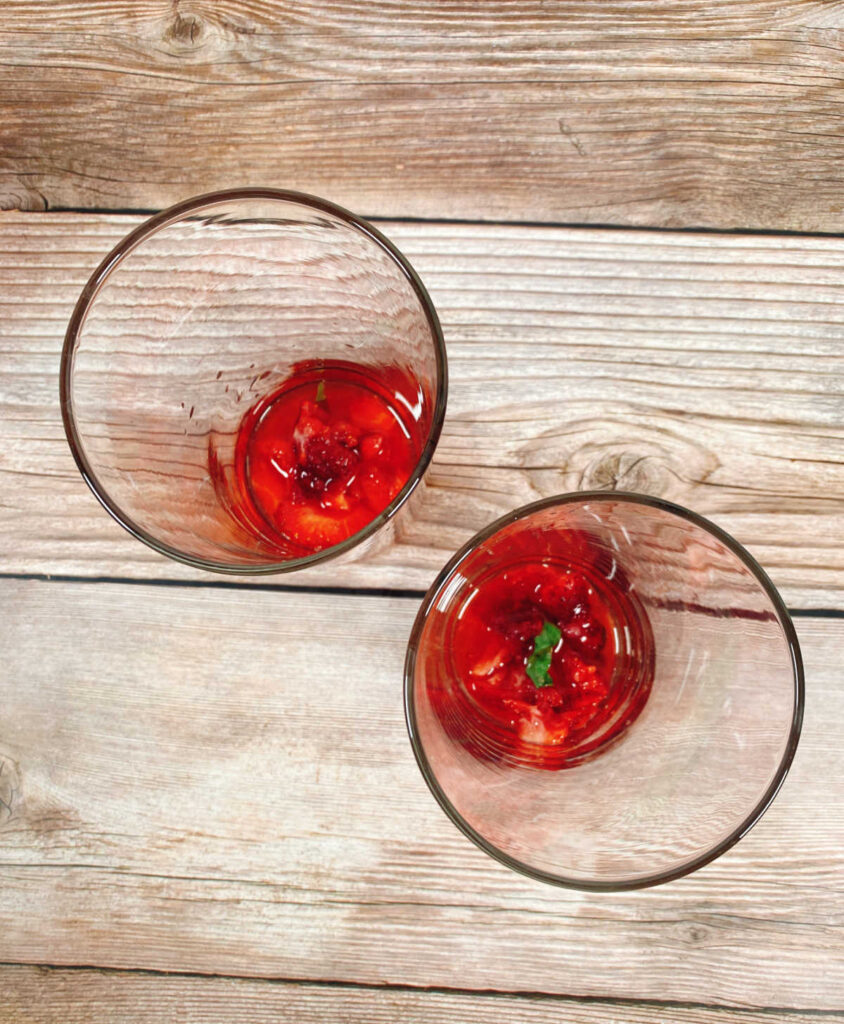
x: 710, y: 678
x: 199, y: 313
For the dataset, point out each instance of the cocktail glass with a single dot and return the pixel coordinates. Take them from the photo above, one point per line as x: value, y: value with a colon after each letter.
x: 713, y: 711
x: 200, y: 312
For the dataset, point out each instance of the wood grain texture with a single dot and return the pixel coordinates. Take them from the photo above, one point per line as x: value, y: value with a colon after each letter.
x: 190, y: 795
x: 664, y: 113
x: 32, y: 995
x: 701, y: 368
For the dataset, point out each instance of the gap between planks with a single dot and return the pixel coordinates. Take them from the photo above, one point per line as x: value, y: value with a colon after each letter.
x: 469, y: 222
x: 517, y: 999
x: 288, y: 588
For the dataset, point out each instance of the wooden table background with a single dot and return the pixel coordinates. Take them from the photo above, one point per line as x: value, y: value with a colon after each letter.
x: 190, y: 829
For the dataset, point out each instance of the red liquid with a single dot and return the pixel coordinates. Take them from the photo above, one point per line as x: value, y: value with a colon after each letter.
x: 324, y: 455
x: 600, y: 671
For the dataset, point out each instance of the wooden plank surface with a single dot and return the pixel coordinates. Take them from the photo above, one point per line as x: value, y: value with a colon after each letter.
x: 665, y: 112
x: 182, y: 788
x: 185, y: 790
x: 706, y: 369
x: 33, y: 995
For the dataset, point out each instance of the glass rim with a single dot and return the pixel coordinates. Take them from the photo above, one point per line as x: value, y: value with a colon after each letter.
x: 783, y: 617
x: 132, y: 241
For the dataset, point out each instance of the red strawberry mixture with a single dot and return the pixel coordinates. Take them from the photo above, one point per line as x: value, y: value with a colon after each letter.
x: 322, y: 456
x: 538, y: 653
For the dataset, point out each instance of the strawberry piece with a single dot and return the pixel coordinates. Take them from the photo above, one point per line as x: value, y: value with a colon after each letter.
x: 534, y: 729
x: 371, y: 446
x: 550, y: 700
x: 311, y: 423
x: 336, y: 498
x: 565, y: 596
x: 312, y: 527
x: 343, y: 433
x: 519, y: 624
x: 492, y: 656
x: 374, y: 488
x: 325, y: 460
x: 585, y: 635
x: 325, y: 454
x: 578, y: 672
x: 371, y: 415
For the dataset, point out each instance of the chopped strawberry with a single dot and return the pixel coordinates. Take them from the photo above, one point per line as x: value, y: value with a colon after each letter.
x: 343, y: 433
x: 372, y: 486
x: 564, y: 596
x: 378, y: 486
x: 324, y: 460
x: 534, y: 729
x: 342, y: 453
x: 550, y: 699
x: 312, y: 527
x: 585, y: 635
x: 336, y: 498
x: 324, y: 453
x: 311, y: 423
x: 371, y: 446
x: 531, y: 648
x: 371, y: 414
x: 579, y: 672
x: 519, y: 623
x: 492, y: 656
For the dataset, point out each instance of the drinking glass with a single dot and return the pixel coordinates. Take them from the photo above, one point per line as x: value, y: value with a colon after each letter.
x: 714, y: 717
x: 200, y: 312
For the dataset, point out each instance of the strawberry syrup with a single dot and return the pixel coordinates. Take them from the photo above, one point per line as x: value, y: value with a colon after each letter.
x: 323, y: 455
x: 600, y: 670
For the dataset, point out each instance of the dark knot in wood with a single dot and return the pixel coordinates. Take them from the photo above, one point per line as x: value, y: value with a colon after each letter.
x: 10, y: 785
x: 185, y: 30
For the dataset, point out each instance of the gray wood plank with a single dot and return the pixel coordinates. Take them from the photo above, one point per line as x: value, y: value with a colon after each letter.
x: 190, y: 790
x: 58, y: 996
x: 706, y: 369
x: 668, y: 113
